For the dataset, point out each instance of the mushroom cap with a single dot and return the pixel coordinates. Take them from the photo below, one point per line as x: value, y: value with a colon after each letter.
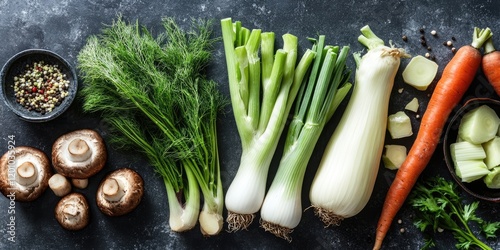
x: 8, y: 165
x: 134, y: 189
x: 79, y: 169
x: 80, y: 219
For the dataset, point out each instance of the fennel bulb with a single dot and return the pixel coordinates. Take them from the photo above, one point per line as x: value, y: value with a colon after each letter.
x: 348, y: 169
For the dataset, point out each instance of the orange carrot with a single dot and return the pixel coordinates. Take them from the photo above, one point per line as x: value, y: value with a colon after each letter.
x: 454, y: 82
x: 491, y: 65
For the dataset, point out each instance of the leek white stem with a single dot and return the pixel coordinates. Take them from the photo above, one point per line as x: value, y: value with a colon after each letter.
x: 346, y: 175
x: 282, y: 209
x: 259, y: 121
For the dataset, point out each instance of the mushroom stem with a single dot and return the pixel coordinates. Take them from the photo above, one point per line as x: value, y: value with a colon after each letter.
x: 70, y: 210
x: 113, y: 189
x: 120, y: 192
x: 26, y: 173
x: 79, y: 150
x: 80, y: 183
x: 59, y: 185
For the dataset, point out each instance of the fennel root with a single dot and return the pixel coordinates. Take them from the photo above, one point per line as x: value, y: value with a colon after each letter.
x: 277, y: 230
x: 238, y: 221
x: 329, y: 218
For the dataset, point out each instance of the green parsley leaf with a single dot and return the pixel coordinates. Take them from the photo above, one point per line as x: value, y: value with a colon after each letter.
x: 439, y: 206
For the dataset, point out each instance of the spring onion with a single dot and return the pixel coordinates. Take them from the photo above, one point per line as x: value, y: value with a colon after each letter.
x: 346, y: 175
x: 155, y: 99
x: 262, y: 92
x: 317, y: 101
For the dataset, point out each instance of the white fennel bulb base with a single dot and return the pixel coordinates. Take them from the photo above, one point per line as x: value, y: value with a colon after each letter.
x: 347, y: 172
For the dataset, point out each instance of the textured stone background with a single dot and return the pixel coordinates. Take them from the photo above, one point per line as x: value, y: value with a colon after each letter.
x: 63, y: 27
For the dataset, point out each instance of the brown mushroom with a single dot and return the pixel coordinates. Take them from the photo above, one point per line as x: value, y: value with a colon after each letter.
x: 72, y: 212
x: 24, y: 173
x: 79, y: 154
x: 120, y: 192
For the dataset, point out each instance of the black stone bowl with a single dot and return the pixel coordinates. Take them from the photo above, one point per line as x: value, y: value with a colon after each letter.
x: 476, y: 188
x: 17, y: 64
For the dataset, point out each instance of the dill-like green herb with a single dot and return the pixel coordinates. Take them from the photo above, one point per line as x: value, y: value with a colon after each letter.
x: 156, y: 99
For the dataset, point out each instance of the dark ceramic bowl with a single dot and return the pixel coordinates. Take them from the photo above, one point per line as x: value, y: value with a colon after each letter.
x: 476, y: 188
x: 17, y: 64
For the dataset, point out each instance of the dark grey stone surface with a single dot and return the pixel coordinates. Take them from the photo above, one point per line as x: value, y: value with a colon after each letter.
x: 63, y: 27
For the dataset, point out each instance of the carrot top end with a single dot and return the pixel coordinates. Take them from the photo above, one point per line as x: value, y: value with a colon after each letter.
x: 480, y: 37
x: 488, y: 46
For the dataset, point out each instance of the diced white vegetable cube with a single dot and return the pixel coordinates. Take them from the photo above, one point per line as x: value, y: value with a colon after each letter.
x: 479, y: 125
x: 399, y: 125
x: 394, y: 156
x: 412, y: 105
x: 492, y: 150
x: 466, y: 151
x: 492, y: 179
x: 420, y: 72
x: 470, y: 171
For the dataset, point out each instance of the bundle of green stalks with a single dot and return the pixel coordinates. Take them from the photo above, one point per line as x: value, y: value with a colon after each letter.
x: 156, y: 99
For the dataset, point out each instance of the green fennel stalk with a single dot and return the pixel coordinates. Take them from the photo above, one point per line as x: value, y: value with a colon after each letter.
x: 156, y: 100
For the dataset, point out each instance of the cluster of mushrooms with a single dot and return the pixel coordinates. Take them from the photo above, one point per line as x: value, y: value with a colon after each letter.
x: 76, y: 156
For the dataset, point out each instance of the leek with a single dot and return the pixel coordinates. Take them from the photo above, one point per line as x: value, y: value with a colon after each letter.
x: 317, y: 101
x: 348, y: 169
x: 262, y: 91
